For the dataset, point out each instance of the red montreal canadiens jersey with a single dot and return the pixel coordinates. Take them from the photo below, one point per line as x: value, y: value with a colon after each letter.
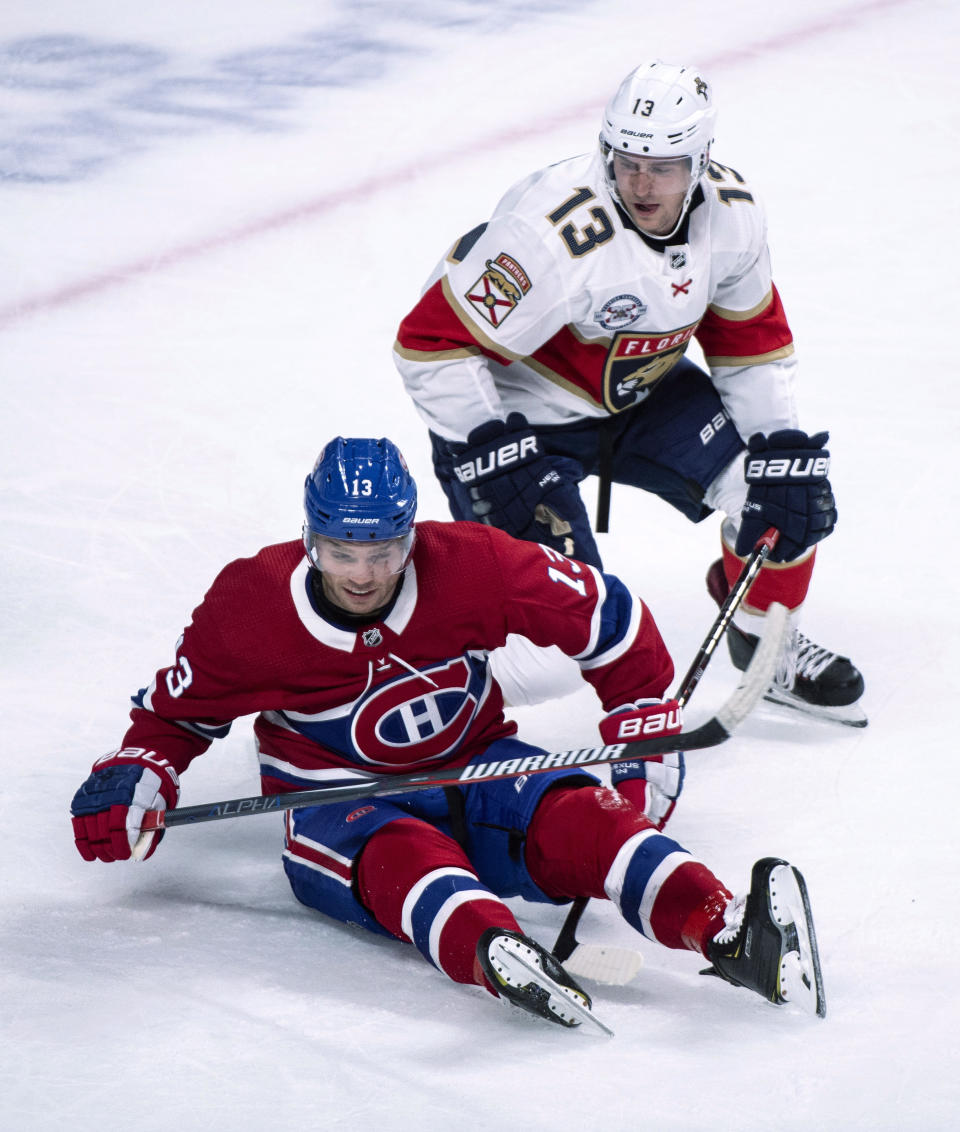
x: 559, y: 309
x: 412, y: 691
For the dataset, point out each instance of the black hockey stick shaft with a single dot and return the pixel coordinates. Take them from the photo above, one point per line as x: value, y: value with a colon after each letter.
x: 738, y: 591
x: 709, y: 734
x: 567, y: 939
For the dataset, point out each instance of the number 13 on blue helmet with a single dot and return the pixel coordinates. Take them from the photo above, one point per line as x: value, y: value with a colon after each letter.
x: 359, y: 492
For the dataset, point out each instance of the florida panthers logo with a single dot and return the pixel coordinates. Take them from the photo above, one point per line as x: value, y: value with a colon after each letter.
x: 418, y: 718
x: 637, y: 361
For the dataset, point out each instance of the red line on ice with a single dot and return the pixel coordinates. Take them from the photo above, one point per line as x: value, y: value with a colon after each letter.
x: 149, y: 264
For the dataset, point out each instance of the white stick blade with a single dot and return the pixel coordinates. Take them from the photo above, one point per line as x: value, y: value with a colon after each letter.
x: 615, y: 966
x: 760, y: 671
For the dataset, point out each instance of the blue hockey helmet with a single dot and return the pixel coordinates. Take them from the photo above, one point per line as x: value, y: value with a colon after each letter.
x: 360, y: 490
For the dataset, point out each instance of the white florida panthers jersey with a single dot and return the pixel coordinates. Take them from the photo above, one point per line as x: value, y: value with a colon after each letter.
x: 559, y: 308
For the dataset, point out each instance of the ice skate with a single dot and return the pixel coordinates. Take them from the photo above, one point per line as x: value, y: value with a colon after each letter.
x: 769, y: 945
x: 809, y: 678
x: 528, y: 976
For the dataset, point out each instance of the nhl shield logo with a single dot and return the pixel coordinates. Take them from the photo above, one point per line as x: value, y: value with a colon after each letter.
x: 372, y: 638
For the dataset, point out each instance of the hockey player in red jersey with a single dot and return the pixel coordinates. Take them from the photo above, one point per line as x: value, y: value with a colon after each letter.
x: 549, y: 343
x: 365, y: 647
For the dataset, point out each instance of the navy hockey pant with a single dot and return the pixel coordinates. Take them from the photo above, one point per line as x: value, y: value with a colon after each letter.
x: 674, y: 444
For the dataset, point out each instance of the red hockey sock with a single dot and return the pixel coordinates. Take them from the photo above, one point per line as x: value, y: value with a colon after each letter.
x: 458, y: 942
x: 785, y: 582
x: 705, y: 921
x: 577, y: 834
x: 688, y: 910
x: 421, y: 886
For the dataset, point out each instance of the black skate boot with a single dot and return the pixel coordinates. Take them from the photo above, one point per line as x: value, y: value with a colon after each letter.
x: 769, y: 945
x: 809, y: 678
x: 528, y: 976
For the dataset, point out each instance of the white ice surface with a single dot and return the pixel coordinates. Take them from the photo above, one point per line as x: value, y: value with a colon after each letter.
x: 202, y: 277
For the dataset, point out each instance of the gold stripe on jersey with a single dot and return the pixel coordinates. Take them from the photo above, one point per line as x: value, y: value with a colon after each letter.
x: 564, y: 383
x: 498, y: 349
x: 475, y: 332
x: 620, y: 385
x: 605, y: 340
x: 743, y: 316
x: 754, y: 360
x: 435, y: 355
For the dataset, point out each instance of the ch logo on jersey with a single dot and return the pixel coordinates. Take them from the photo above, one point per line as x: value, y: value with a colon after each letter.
x: 498, y: 290
x: 418, y: 718
x: 636, y: 362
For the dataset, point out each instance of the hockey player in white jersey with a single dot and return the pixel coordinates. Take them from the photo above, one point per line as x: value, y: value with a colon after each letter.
x: 549, y: 345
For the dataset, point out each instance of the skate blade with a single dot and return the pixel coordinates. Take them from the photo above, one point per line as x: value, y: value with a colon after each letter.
x: 614, y: 966
x: 851, y: 715
x: 801, y: 979
x: 568, y: 1001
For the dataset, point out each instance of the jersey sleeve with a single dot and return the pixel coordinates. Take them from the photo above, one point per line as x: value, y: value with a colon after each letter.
x: 744, y: 334
x: 493, y: 300
x: 752, y: 363
x: 591, y: 616
x: 195, y: 699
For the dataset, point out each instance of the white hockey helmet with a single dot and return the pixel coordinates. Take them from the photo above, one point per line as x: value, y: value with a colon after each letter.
x: 660, y: 110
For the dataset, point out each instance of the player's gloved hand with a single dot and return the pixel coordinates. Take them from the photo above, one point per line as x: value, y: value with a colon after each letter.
x: 787, y: 488
x: 504, y: 479
x: 109, y: 807
x: 653, y: 785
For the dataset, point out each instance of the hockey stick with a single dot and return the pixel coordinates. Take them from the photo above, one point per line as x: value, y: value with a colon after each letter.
x: 618, y: 965
x: 365, y: 786
x: 715, y: 730
x: 738, y: 591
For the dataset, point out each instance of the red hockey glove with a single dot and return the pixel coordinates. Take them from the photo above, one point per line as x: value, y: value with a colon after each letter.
x: 109, y: 807
x: 652, y: 785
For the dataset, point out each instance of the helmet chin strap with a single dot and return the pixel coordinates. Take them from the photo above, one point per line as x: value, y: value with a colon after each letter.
x: 656, y: 235
x: 606, y: 156
x: 615, y: 193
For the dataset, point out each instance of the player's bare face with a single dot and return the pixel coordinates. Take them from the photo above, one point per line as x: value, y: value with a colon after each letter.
x: 653, y: 190
x: 360, y: 578
x: 363, y: 593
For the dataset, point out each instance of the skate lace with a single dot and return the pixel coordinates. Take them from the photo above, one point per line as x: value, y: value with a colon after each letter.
x: 732, y: 919
x: 801, y: 657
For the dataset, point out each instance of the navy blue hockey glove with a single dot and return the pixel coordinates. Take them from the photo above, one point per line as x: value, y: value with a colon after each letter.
x: 109, y: 807
x: 787, y: 488
x: 506, y: 480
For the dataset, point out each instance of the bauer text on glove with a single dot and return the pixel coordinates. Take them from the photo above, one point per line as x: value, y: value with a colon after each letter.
x: 109, y: 807
x: 787, y: 488
x: 504, y: 479
x: 653, y: 785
